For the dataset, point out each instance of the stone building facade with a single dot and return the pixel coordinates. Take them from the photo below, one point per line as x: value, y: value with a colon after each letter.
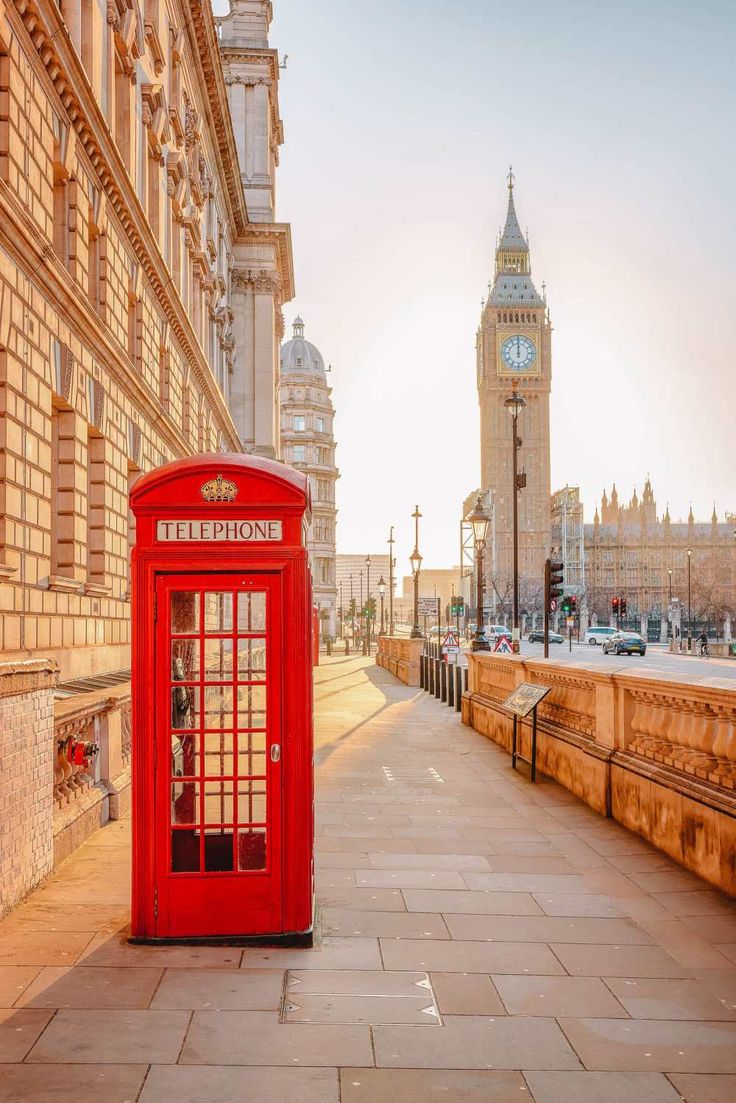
x: 513, y: 347
x: 140, y: 297
x: 308, y: 443
x: 630, y: 551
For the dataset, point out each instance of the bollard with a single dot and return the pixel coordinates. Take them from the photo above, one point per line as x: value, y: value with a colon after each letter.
x: 451, y: 685
x: 465, y: 679
x: 443, y: 681
x: 458, y: 688
x: 421, y: 671
x: 437, y: 673
x: 329, y: 645
x: 347, y: 646
x: 365, y: 646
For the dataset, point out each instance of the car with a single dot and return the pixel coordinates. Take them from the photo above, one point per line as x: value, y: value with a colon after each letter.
x: 495, y: 632
x: 625, y: 643
x: 537, y: 636
x: 598, y: 634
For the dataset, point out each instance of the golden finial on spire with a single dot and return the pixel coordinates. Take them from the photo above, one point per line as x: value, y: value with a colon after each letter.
x: 510, y: 178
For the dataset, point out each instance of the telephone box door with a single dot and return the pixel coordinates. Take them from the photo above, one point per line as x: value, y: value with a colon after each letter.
x: 217, y: 757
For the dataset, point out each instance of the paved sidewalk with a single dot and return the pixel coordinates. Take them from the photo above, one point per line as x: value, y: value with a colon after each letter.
x: 482, y: 940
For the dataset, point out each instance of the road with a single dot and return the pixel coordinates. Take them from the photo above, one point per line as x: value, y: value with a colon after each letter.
x: 684, y: 667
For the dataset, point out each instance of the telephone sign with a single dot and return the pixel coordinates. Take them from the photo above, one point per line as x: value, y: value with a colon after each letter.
x: 222, y: 718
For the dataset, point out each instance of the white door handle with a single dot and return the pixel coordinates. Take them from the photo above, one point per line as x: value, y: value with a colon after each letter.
x: 275, y: 752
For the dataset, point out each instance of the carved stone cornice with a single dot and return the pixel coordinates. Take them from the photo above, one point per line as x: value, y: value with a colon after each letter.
x: 48, y: 33
x: 200, y: 23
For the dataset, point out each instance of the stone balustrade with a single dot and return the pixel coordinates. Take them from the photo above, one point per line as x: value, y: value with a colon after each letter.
x: 92, y: 746
x: 400, y: 655
x: 657, y: 755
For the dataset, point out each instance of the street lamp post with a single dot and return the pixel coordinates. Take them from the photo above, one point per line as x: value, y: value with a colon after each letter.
x: 479, y: 521
x: 342, y: 614
x: 669, y: 599
x: 515, y: 405
x: 689, y: 603
x: 391, y: 543
x: 361, y: 612
x: 368, y: 601
x: 382, y: 594
x: 416, y: 563
x: 352, y: 611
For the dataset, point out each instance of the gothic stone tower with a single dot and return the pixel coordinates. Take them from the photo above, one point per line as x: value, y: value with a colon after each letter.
x: 514, y: 350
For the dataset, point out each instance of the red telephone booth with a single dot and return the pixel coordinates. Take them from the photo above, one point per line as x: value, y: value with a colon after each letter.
x: 222, y: 702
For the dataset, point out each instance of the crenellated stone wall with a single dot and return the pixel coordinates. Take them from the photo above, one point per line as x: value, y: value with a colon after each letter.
x: 656, y: 755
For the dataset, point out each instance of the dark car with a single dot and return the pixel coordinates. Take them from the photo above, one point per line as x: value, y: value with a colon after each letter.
x: 537, y: 636
x: 625, y: 643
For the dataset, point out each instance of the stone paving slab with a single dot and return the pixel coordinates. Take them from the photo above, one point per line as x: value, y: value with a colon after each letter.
x: 267, y: 1084
x: 422, y: 1086
x: 570, y: 961
x: 65, y: 1083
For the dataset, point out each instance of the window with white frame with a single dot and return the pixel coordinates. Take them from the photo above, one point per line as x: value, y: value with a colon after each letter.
x: 299, y: 453
x: 300, y: 423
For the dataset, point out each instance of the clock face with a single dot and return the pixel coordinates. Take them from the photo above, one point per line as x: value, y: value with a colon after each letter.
x: 518, y: 353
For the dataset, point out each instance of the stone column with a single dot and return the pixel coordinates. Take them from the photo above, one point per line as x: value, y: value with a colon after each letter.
x: 266, y: 373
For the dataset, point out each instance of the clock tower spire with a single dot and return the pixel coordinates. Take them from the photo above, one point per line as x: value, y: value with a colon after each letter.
x: 514, y: 351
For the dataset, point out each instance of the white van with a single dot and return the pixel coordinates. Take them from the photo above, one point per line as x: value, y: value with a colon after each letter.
x: 598, y: 634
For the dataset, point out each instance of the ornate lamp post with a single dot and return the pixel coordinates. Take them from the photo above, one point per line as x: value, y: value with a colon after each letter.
x: 368, y: 602
x: 382, y: 594
x: 515, y: 405
x: 669, y: 598
x: 479, y: 521
x: 391, y: 543
x: 416, y: 563
x: 689, y: 604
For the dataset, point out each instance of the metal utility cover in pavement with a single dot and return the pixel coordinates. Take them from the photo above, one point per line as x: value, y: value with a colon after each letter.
x: 358, y: 996
x: 411, y: 775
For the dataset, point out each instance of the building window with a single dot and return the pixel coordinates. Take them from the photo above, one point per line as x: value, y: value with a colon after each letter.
x: 299, y: 453
x: 300, y: 423
x: 321, y: 425
x: 324, y: 570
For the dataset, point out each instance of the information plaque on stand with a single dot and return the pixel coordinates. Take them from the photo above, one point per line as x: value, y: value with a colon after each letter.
x: 520, y: 703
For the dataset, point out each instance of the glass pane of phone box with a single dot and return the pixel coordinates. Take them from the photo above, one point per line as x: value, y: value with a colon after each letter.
x: 218, y: 850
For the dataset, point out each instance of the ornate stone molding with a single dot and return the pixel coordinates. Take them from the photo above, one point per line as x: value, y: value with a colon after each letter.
x: 261, y: 280
x: 249, y: 82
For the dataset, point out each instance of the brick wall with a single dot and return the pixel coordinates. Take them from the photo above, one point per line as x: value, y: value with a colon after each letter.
x: 26, y: 778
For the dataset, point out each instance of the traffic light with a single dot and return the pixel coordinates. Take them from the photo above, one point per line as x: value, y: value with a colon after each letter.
x: 622, y: 606
x: 574, y: 605
x: 552, y: 582
x: 566, y: 606
x: 614, y: 604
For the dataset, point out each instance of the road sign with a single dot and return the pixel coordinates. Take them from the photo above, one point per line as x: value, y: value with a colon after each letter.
x: 450, y: 642
x: 503, y: 647
x: 570, y: 622
x: 427, y: 607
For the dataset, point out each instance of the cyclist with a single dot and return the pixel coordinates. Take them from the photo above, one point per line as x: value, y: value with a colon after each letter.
x: 703, y: 641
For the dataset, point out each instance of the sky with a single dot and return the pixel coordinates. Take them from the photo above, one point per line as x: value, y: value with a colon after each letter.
x: 401, y: 119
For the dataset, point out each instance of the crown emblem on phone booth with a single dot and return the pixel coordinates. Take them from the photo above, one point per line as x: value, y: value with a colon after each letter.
x: 219, y: 490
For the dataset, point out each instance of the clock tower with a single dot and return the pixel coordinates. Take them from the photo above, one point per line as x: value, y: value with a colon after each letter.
x: 514, y: 352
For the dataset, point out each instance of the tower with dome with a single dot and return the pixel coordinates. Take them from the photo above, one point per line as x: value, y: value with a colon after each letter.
x: 308, y: 443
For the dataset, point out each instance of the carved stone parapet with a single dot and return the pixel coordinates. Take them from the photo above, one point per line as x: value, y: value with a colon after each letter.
x: 27, y: 676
